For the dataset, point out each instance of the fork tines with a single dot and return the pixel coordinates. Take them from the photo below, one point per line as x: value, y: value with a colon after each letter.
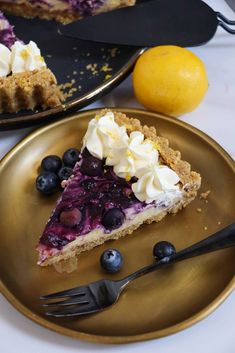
x: 79, y: 302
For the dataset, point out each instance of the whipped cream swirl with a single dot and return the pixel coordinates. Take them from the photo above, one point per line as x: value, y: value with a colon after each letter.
x: 5, y: 60
x: 26, y: 57
x: 155, y: 182
x: 132, y: 156
x: 20, y: 58
x: 136, y: 155
x: 104, y: 135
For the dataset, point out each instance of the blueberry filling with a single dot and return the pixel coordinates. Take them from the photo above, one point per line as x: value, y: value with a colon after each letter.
x: 53, y: 240
x: 71, y: 218
x: 95, y: 198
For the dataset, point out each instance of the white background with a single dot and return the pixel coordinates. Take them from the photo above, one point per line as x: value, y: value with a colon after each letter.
x: 216, y: 117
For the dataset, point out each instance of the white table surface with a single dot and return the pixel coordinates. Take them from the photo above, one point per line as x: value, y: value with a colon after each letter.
x: 216, y: 117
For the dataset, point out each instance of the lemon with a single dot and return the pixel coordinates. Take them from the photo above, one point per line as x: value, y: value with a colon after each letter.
x: 170, y: 80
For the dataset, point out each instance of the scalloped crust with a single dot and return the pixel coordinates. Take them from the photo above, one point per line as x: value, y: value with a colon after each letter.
x: 28, y: 90
x: 190, y: 183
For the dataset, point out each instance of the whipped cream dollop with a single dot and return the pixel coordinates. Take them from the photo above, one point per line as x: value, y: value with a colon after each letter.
x: 154, y: 182
x: 136, y: 155
x: 20, y: 58
x: 26, y: 57
x: 104, y: 135
x: 5, y: 61
x: 132, y: 156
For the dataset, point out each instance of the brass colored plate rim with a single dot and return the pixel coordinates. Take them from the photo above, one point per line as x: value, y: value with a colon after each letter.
x: 131, y: 338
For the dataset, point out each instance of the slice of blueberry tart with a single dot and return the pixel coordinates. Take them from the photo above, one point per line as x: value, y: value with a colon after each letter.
x: 25, y: 80
x: 127, y: 175
x: 61, y: 10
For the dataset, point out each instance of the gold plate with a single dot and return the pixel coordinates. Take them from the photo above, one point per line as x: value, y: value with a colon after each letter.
x: 156, y: 305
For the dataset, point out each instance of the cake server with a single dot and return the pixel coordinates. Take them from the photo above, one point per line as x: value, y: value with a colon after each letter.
x: 151, y: 23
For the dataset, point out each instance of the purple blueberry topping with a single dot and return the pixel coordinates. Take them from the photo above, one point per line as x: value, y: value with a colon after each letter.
x: 64, y: 173
x: 88, y: 184
x: 47, y: 183
x: 71, y: 218
x: 85, y: 7
x: 113, y: 218
x: 7, y: 35
x: 90, y: 202
x: 53, y: 240
x: 51, y: 163
x: 92, y: 166
x: 70, y: 157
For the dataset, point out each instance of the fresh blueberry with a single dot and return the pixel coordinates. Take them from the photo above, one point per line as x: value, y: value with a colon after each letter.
x: 47, y: 182
x: 53, y: 240
x: 70, y: 157
x: 64, y: 173
x: 111, y: 260
x: 71, y: 218
x: 92, y: 166
x: 51, y: 163
x: 113, y: 218
x: 163, y: 249
x: 133, y: 179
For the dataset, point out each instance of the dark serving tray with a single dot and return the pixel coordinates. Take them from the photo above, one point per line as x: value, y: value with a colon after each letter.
x: 96, y: 68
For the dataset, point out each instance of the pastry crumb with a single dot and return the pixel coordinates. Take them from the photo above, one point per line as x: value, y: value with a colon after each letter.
x: 218, y: 222
x: 204, y: 195
x: 63, y: 183
x: 205, y: 228
x: 199, y: 210
x: 92, y: 68
x: 113, y: 52
x: 107, y: 77
x: 106, y: 68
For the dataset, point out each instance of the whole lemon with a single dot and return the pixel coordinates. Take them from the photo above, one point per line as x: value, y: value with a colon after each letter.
x: 170, y: 80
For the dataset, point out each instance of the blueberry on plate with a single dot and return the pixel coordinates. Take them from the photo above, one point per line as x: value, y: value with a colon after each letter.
x: 64, y: 173
x: 111, y: 260
x: 51, y: 163
x: 163, y: 249
x: 70, y: 157
x: 92, y: 166
x: 47, y: 183
x: 113, y: 218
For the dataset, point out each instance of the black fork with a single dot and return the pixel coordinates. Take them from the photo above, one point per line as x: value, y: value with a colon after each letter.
x: 101, y: 294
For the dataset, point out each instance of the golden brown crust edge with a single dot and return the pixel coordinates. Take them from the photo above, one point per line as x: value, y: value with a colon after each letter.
x: 29, y: 89
x: 190, y: 180
x: 31, y: 10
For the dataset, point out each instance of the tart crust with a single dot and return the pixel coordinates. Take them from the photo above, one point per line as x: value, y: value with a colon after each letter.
x: 190, y: 182
x: 27, y: 90
x: 32, y: 10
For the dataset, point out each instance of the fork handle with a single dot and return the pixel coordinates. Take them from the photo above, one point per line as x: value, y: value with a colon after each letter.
x: 224, y: 238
